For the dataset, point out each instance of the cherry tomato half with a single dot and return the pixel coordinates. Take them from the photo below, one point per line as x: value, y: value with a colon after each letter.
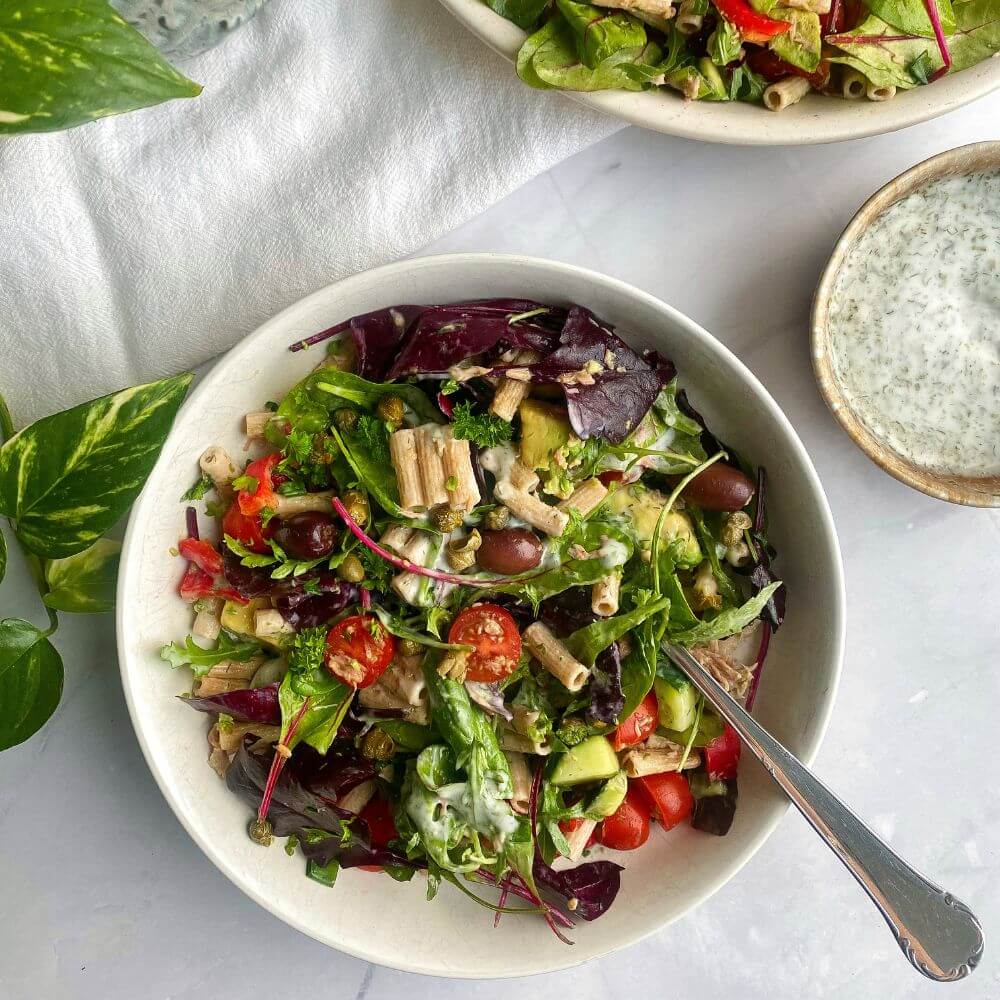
x: 358, y: 650
x: 381, y: 826
x: 263, y: 496
x: 203, y: 554
x: 639, y: 726
x: 722, y: 755
x: 246, y: 529
x: 669, y: 795
x: 495, y: 639
x: 628, y: 826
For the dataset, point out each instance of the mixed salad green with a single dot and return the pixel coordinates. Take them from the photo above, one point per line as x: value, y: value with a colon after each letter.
x: 429, y: 630
x: 763, y: 51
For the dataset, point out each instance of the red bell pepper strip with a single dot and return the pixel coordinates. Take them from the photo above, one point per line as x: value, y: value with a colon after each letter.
x: 196, y: 584
x: 722, y: 755
x: 263, y: 496
x: 249, y: 531
x: 769, y: 66
x: 753, y: 27
x: 202, y: 554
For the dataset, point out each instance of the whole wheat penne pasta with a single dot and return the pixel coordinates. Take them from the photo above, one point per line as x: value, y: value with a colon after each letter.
x: 206, y: 622
x: 417, y: 550
x: 555, y: 657
x: 287, y: 506
x: 604, y: 595
x: 220, y: 468
x: 577, y: 838
x: 430, y: 454
x: 511, y: 392
x: 785, y: 93
x: 874, y: 93
x: 586, y: 498
x: 638, y: 762
x: 209, y: 686
x: 231, y: 737
x: 403, y: 453
x: 853, y: 85
x: 236, y: 670
x: 460, y: 477
x: 255, y: 423
x: 519, y: 743
x: 357, y: 798
x: 218, y: 761
x: 520, y: 777
x: 688, y: 21
x: 521, y: 477
x: 529, y: 508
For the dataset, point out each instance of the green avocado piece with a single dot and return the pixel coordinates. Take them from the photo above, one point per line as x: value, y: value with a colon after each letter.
x: 643, y: 505
x: 544, y: 430
x: 591, y: 760
x: 238, y: 619
x: 608, y: 797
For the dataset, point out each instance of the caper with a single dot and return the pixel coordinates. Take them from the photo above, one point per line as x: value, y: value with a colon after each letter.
x: 497, y: 519
x: 410, y: 647
x: 260, y: 831
x: 445, y: 519
x: 377, y: 745
x: 461, y: 552
x: 345, y: 419
x: 351, y: 569
x: 390, y: 409
x: 357, y: 506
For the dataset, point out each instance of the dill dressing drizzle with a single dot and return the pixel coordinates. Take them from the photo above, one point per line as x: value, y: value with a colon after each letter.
x: 914, y: 324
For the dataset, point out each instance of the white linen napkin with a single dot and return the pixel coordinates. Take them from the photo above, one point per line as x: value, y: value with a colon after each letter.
x: 330, y: 137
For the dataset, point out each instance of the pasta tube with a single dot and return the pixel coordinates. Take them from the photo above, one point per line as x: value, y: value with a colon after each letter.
x: 287, y: 506
x: 403, y: 453
x: 529, y: 508
x: 785, y: 93
x: 430, y: 449
x: 555, y: 657
x: 640, y: 761
x: 604, y: 595
x: 520, y: 776
x: 219, y: 467
x: 511, y: 392
x: 586, y: 498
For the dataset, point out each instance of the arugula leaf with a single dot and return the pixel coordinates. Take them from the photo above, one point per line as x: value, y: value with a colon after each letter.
x: 67, y: 62
x: 746, y: 85
x: 201, y: 660
x: 66, y: 479
x: 484, y: 429
x: 85, y: 582
x: 727, y: 622
x: 724, y: 43
x: 31, y: 680
x: 588, y: 642
x: 200, y: 488
x: 921, y: 68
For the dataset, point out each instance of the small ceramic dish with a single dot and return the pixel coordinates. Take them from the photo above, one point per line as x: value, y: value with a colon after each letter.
x: 371, y: 916
x: 975, y: 491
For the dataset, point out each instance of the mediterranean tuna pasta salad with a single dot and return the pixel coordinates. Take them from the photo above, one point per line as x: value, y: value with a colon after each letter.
x: 429, y: 602
x: 772, y: 52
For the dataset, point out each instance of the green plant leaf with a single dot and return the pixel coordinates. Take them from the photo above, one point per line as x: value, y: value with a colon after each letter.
x: 910, y: 16
x: 727, y: 622
x: 977, y: 33
x: 84, y: 583
x: 876, y: 50
x: 800, y: 44
x: 67, y: 62
x: 201, y: 660
x: 3, y: 554
x: 66, y: 479
x: 524, y: 13
x: 601, y: 33
x: 31, y: 680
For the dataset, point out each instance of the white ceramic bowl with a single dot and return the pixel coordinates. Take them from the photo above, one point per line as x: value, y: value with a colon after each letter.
x: 371, y: 916
x: 816, y: 119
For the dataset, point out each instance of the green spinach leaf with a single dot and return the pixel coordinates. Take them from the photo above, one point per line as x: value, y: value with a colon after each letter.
x: 601, y: 33
x: 587, y: 643
x: 524, y: 13
x: 31, y: 680
x: 876, y: 50
x: 910, y: 16
x: 66, y: 479
x: 67, y: 62
x: 85, y: 582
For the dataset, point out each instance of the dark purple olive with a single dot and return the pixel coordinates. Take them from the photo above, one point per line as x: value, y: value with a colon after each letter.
x: 510, y: 551
x: 309, y: 535
x: 719, y: 487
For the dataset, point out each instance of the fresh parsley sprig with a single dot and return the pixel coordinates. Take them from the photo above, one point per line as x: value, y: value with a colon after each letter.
x: 483, y: 429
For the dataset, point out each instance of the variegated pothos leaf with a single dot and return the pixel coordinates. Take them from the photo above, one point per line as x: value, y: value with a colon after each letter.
x: 66, y: 479
x: 31, y: 680
x: 84, y: 583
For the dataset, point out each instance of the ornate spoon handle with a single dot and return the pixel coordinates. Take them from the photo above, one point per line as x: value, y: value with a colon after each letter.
x: 938, y: 933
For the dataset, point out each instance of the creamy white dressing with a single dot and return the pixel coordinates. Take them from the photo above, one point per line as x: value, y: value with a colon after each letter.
x: 914, y: 326
x: 499, y: 461
x: 612, y: 553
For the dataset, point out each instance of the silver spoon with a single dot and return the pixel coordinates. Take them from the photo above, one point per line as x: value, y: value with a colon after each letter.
x: 938, y: 933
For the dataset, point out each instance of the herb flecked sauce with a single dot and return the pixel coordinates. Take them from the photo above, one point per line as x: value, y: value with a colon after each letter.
x: 914, y: 323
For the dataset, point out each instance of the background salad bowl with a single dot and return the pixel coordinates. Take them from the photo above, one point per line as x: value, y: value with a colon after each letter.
x: 815, y: 119
x: 391, y: 923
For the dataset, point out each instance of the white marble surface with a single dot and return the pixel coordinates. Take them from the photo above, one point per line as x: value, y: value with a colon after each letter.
x: 103, y: 896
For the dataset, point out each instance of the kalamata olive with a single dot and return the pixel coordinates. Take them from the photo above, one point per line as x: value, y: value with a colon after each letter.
x: 719, y: 487
x: 513, y: 550
x: 309, y: 535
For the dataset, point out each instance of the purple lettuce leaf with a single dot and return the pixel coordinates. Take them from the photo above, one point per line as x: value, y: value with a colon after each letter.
x: 566, y: 612
x: 443, y: 336
x: 593, y: 884
x: 354, y: 852
x: 246, y: 705
x: 334, y: 773
x: 610, y: 401
x: 607, y: 699
x: 293, y: 807
x: 304, y: 610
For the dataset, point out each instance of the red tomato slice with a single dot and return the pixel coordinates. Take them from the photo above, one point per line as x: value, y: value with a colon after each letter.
x: 754, y: 27
x: 247, y: 530
x: 639, y: 726
x: 722, y: 755
x: 381, y: 825
x: 264, y: 495
x: 358, y: 650
x: 202, y: 554
x: 669, y: 795
x: 628, y: 826
x: 495, y: 639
